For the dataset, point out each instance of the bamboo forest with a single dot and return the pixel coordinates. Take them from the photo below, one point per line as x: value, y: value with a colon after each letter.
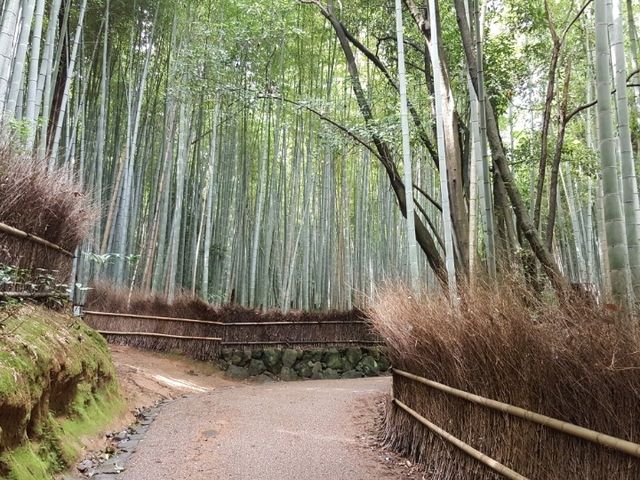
x: 260, y: 152
x: 431, y: 207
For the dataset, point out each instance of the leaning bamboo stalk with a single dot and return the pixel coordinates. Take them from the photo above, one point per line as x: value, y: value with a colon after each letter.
x: 614, y: 443
x: 4, y: 228
x: 465, y: 447
x: 150, y: 317
x: 164, y: 335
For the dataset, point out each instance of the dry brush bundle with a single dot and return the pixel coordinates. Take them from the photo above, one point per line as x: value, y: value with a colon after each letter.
x: 197, y: 349
x: 41, y: 202
x: 166, y: 327
x: 106, y: 297
x: 574, y: 362
x: 308, y: 327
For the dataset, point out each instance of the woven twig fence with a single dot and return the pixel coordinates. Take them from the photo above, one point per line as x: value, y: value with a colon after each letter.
x: 617, y: 445
x: 33, y: 258
x: 250, y: 334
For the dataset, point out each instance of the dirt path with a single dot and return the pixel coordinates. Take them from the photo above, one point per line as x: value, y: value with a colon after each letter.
x: 220, y: 429
x: 147, y: 376
x: 295, y: 430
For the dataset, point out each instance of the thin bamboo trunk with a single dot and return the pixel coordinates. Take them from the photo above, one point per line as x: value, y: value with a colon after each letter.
x: 406, y: 155
x: 613, y: 213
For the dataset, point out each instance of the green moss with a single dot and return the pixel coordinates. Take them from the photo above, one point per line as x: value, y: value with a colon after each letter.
x: 44, y: 351
x: 24, y: 463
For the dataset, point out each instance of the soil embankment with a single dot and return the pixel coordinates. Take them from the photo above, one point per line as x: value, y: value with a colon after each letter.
x: 57, y: 385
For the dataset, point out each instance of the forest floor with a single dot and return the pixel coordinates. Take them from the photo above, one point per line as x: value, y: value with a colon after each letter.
x: 219, y: 429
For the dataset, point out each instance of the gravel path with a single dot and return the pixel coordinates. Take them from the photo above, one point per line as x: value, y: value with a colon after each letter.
x: 310, y: 430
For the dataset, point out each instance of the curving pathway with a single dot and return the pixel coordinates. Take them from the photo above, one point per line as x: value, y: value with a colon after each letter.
x: 310, y: 430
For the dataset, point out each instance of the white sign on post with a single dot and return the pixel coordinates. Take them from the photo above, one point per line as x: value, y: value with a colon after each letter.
x: 77, y: 310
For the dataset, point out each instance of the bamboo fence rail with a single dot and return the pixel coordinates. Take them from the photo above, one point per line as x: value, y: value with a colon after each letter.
x: 236, y: 334
x: 465, y: 447
x: 4, y: 228
x: 151, y: 317
x: 162, y: 335
x: 618, y: 444
x: 306, y: 342
x: 30, y: 294
x: 228, y: 324
x: 312, y: 322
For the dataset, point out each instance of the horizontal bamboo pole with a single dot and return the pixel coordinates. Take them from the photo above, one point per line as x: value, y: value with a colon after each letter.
x: 164, y: 335
x: 313, y: 322
x: 150, y: 317
x: 465, y: 447
x: 602, y: 439
x: 31, y: 294
x: 229, y: 324
x: 304, y: 342
x: 4, y: 228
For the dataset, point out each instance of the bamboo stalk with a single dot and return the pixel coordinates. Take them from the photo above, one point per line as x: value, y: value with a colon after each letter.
x: 151, y: 317
x: 614, y: 443
x: 314, y: 322
x: 4, y: 228
x: 164, y: 335
x: 468, y: 449
x: 31, y: 294
x: 301, y: 342
x: 232, y: 324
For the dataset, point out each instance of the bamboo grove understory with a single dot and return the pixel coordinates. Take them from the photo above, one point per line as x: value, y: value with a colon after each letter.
x: 296, y: 154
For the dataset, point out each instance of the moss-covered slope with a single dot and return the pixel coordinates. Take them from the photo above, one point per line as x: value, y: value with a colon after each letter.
x: 57, y: 384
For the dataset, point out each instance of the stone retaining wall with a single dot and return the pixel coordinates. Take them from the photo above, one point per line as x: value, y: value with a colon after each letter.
x: 296, y: 364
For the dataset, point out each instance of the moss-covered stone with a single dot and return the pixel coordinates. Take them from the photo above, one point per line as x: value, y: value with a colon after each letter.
x: 353, y: 355
x: 328, y: 352
x: 256, y: 367
x: 237, y: 373
x: 272, y: 359
x: 288, y: 374
x: 237, y: 358
x: 226, y: 354
x: 289, y: 357
x: 294, y: 363
x: 331, y: 374
x: 317, y: 355
x: 374, y: 352
x: 334, y: 360
x: 384, y: 363
x: 247, y: 355
x: 369, y: 366
x: 316, y: 371
x: 305, y: 369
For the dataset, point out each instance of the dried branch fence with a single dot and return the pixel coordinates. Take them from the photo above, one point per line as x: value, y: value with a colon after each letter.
x: 43, y: 254
x: 617, y: 444
x: 190, y: 335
